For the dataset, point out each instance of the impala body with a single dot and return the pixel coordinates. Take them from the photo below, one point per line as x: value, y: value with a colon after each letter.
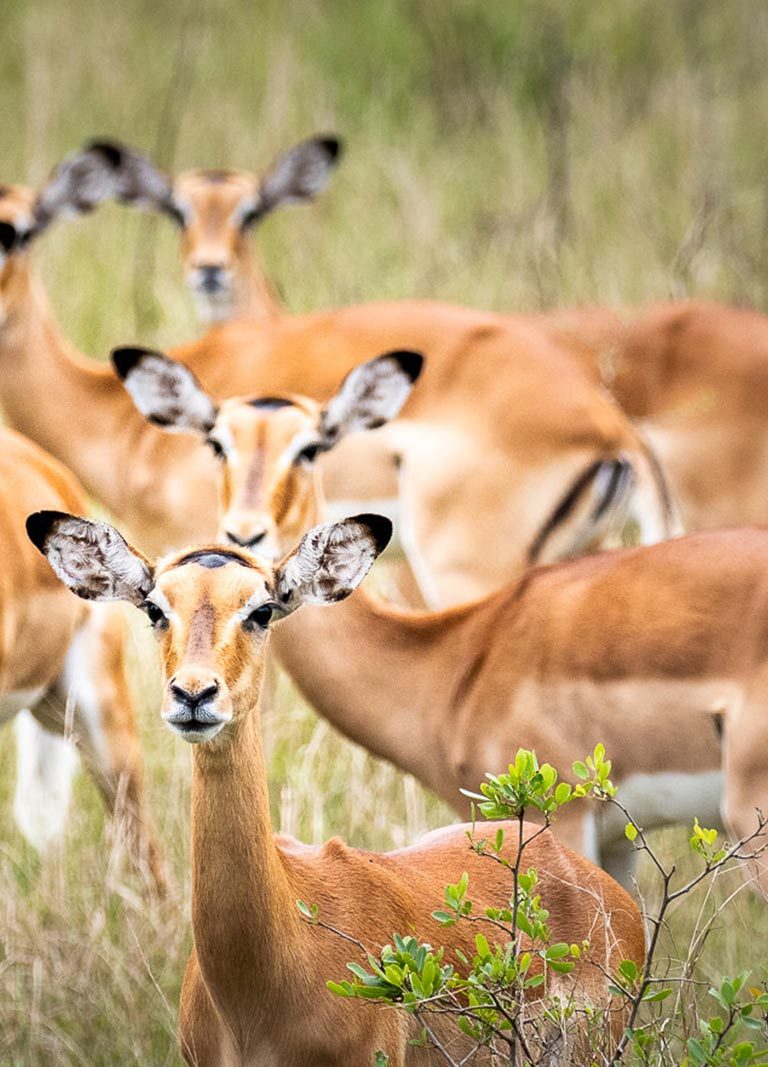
x: 62, y: 671
x: 254, y: 990
x: 693, y: 375
x: 641, y: 650
x: 506, y: 452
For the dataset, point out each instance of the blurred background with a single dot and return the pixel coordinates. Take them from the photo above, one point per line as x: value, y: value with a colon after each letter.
x: 509, y: 155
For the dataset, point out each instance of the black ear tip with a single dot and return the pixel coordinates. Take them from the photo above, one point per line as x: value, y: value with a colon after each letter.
x: 380, y: 527
x: 411, y: 363
x: 8, y: 236
x: 112, y: 151
x: 333, y: 146
x: 39, y: 525
x: 124, y: 360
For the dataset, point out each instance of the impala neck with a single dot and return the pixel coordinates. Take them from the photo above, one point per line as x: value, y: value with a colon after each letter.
x: 72, y: 408
x: 257, y: 295
x: 248, y: 932
x: 378, y: 674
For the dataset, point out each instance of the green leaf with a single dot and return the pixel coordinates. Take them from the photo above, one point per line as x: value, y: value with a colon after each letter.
x: 630, y: 831
x: 653, y: 996
x: 563, y: 793
x: 306, y: 911
x: 580, y: 770
x: 628, y: 970
x: 445, y: 918
x: 556, y: 952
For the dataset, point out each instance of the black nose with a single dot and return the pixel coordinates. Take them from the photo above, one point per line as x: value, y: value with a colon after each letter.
x: 211, y: 277
x: 246, y: 542
x: 192, y: 701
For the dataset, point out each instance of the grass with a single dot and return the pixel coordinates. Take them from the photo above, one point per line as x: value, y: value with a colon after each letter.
x: 509, y: 156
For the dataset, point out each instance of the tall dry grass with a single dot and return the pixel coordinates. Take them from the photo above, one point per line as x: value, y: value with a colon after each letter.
x: 501, y: 155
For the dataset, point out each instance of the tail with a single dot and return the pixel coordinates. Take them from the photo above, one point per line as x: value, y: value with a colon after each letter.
x: 45, y: 766
x: 618, y: 501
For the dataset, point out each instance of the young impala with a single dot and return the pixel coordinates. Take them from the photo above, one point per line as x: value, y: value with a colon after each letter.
x: 507, y: 451
x: 64, y: 662
x: 636, y: 649
x: 254, y: 990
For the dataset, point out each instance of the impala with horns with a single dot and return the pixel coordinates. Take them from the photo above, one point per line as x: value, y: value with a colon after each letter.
x: 62, y: 673
x: 506, y: 452
x: 652, y: 651
x: 255, y: 985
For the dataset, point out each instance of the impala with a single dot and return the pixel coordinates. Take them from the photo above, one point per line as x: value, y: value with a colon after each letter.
x: 693, y: 373
x: 254, y: 989
x: 52, y: 654
x: 506, y: 452
x: 638, y: 649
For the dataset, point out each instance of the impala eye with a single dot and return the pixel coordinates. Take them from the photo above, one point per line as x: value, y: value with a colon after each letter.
x: 260, y: 617
x: 308, y: 454
x: 154, y: 614
x: 216, y: 447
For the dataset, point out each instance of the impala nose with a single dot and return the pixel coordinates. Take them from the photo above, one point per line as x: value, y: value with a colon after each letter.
x: 193, y: 711
x: 211, y: 277
x: 194, y: 698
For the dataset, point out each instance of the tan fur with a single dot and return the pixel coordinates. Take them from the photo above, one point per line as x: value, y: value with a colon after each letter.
x: 500, y: 427
x: 254, y: 990
x: 633, y: 649
x: 41, y: 623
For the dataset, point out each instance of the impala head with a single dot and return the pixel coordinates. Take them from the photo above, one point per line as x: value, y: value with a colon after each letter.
x: 214, y: 209
x: 210, y: 608
x: 267, y: 446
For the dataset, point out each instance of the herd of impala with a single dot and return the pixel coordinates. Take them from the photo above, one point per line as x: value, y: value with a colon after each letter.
x: 511, y: 451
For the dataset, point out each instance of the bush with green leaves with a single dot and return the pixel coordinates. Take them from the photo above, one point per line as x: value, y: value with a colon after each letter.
x: 500, y: 1001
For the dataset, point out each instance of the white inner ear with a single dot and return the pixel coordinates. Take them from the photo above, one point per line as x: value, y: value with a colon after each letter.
x: 168, y: 392
x: 369, y: 396
x: 299, y: 174
x: 329, y: 563
x: 96, y: 563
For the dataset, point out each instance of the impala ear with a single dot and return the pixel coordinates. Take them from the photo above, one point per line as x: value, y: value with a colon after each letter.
x: 166, y: 392
x: 370, y: 395
x: 301, y: 173
x: 103, y: 170
x: 331, y: 561
x: 91, y: 558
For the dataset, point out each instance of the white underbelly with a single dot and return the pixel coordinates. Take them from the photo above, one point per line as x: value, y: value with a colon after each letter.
x: 662, y: 799
x: 12, y: 703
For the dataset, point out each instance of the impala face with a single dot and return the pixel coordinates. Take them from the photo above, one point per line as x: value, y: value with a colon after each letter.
x: 267, y: 446
x: 210, y: 608
x: 215, y: 209
x: 270, y: 485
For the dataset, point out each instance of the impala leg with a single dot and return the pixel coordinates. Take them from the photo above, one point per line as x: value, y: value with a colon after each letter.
x: 745, y: 787
x: 92, y: 698
x: 46, y: 763
x: 202, y: 1036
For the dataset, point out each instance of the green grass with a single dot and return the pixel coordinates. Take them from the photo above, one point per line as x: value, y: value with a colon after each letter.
x: 449, y: 189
